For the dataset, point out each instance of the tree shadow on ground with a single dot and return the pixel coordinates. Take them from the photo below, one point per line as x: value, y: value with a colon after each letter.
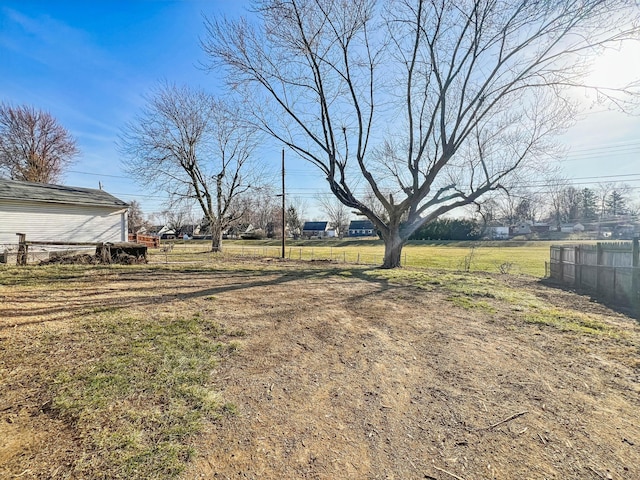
x: 625, y: 308
x: 120, y: 289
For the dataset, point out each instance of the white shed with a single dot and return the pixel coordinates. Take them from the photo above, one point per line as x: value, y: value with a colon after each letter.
x: 498, y: 232
x: 59, y: 213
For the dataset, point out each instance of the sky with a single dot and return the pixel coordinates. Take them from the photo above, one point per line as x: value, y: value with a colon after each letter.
x: 89, y: 63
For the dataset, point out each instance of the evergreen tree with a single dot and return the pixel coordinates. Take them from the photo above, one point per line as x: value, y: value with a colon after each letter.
x: 294, y: 223
x: 615, y: 204
x: 589, y: 205
x: 448, y: 229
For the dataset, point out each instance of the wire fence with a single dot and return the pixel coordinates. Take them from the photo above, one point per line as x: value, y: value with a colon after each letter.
x: 186, y: 253
x: 476, y: 256
x: 198, y: 253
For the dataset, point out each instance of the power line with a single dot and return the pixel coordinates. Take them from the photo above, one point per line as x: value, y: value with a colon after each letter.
x: 607, y: 145
x: 97, y: 174
x: 314, y: 192
x: 586, y: 153
x: 603, y: 156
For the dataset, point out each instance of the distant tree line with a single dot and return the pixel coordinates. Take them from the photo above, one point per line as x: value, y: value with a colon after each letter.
x: 449, y: 229
x: 561, y: 203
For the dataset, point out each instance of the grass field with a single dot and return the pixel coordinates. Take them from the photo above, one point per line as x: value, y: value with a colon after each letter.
x: 134, y: 383
x: 498, y: 257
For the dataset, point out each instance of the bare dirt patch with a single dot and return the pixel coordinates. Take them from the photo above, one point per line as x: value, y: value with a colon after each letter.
x: 342, y: 373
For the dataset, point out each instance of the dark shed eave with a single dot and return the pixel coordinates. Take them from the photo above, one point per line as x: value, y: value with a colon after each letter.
x: 58, y: 194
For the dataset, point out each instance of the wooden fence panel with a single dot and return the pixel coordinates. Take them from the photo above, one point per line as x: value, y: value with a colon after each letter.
x: 150, y: 241
x: 568, y: 254
x: 555, y: 269
x: 589, y: 276
x: 569, y: 273
x: 617, y: 259
x: 623, y: 285
x: 587, y: 255
x: 611, y: 270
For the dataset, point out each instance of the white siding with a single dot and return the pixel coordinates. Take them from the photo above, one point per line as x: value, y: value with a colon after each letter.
x: 60, y: 223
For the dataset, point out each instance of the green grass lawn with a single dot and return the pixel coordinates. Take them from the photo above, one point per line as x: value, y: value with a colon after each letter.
x: 526, y: 257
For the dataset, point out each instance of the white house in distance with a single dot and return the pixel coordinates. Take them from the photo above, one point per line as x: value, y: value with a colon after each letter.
x: 361, y: 228
x: 317, y: 230
x: 59, y: 213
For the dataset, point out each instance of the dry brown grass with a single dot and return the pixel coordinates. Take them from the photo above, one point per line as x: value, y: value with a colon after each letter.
x: 341, y: 372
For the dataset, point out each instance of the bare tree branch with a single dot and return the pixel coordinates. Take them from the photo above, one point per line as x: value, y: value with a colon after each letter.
x: 195, y: 147
x: 424, y: 105
x: 34, y: 147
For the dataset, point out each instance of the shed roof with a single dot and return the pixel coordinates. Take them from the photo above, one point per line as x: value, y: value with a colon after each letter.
x: 315, y: 226
x: 44, y: 192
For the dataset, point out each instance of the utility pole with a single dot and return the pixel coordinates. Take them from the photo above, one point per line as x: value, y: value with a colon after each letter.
x: 283, y: 208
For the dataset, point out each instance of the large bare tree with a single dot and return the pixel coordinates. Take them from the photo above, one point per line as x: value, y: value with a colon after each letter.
x: 194, y: 147
x: 429, y: 105
x: 34, y: 147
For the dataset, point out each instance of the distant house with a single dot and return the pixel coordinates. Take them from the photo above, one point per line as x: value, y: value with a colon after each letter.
x: 540, y: 228
x: 167, y: 233
x: 625, y: 231
x: 162, y: 231
x: 361, y: 228
x: 523, y: 228
x: 498, y: 232
x: 192, y: 230
x: 59, y: 213
x: 315, y: 230
x: 242, y: 230
x: 572, y: 228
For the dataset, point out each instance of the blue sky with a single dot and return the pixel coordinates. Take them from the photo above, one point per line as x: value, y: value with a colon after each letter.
x: 89, y: 62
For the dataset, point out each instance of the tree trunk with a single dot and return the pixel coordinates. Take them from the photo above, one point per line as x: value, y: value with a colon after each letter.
x: 393, y: 244
x: 216, y: 237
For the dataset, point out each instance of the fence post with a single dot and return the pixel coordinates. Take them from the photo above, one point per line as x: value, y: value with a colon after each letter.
x: 598, y: 265
x: 577, y: 267
x: 547, y: 268
x: 23, y: 249
x: 635, y: 275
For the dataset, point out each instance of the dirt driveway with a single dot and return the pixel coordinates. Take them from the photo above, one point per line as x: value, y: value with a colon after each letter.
x: 344, y: 374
